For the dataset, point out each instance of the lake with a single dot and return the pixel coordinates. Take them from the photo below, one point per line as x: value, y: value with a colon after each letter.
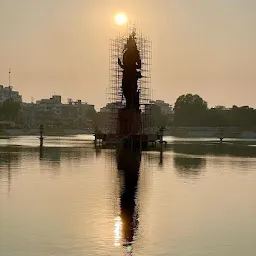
x: 71, y: 199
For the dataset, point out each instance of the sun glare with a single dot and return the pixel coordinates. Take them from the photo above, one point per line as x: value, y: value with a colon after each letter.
x: 120, y: 18
x: 118, y: 230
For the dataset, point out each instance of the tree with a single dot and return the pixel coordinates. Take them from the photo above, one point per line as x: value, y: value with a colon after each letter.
x: 217, y: 117
x: 10, y: 109
x: 189, y: 110
x: 157, y: 118
x: 243, y: 116
x: 91, y: 113
x: 92, y: 116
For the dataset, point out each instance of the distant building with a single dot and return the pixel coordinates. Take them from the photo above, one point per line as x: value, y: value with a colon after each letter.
x: 166, y: 108
x: 51, y: 112
x: 111, y: 107
x: 6, y: 92
x: 55, y: 99
x: 108, y: 117
x: 159, y: 113
x: 51, y: 106
x: 76, y: 114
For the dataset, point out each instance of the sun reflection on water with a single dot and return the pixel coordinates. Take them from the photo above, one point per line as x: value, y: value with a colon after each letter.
x: 118, y: 230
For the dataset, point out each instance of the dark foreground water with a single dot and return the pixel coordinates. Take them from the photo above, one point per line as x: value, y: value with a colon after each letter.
x: 71, y: 200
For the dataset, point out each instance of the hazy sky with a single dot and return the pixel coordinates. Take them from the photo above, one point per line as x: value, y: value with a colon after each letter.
x: 62, y: 46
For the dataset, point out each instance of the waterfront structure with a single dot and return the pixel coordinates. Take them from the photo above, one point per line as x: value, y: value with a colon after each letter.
x: 130, y: 76
x: 129, y: 90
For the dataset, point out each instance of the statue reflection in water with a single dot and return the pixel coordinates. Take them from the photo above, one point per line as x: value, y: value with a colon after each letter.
x: 128, y: 164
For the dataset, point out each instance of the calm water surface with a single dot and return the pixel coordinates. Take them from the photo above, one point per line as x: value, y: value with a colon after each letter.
x: 70, y: 199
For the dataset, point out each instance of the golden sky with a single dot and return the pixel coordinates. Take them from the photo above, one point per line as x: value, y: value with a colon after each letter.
x: 62, y: 46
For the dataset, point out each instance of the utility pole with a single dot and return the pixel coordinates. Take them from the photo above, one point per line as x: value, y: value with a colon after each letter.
x: 9, y: 77
x: 10, y: 93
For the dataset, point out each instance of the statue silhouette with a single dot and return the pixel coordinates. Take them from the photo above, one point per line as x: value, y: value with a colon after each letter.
x: 131, y: 66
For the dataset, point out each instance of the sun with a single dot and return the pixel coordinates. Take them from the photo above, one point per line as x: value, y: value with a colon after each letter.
x: 120, y: 18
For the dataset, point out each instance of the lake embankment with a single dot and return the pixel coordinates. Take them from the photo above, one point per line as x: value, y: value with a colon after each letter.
x: 211, y: 132
x: 182, y: 132
x: 47, y: 132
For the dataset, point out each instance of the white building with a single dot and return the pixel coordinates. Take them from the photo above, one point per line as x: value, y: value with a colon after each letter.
x: 52, y: 105
x: 53, y: 112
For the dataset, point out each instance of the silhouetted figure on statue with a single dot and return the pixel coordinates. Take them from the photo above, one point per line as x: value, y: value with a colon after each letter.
x: 130, y: 65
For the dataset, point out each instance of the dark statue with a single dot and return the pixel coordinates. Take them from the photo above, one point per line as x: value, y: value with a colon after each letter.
x: 131, y: 66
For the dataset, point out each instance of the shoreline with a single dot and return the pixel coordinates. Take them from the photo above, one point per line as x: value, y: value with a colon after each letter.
x: 47, y: 132
x: 180, y: 133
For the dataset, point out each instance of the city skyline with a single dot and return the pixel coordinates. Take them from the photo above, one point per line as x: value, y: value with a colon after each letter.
x: 201, y: 47
x: 71, y: 101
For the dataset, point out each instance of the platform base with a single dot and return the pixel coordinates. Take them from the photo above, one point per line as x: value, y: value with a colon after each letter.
x: 129, y: 122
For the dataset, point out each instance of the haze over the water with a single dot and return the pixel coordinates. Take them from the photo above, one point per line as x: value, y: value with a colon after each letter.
x: 62, y: 46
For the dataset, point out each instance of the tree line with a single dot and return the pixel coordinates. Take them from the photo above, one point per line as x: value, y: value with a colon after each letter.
x: 10, y: 110
x: 192, y: 110
x: 189, y: 110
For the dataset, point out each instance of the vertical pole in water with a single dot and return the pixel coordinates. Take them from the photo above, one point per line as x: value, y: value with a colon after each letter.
x: 161, y: 143
x: 41, y: 135
x: 95, y: 140
x: 95, y: 137
x: 221, y: 137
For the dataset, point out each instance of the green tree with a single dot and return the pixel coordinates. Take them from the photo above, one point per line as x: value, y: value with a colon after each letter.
x: 218, y: 116
x: 190, y: 110
x: 158, y: 119
x: 10, y: 110
x: 243, y: 116
x: 91, y: 113
x: 92, y: 116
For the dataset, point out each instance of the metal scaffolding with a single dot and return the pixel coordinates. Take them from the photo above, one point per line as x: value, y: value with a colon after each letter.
x: 115, y: 99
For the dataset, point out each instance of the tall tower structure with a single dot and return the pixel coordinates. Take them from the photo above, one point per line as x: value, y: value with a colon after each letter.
x: 115, y: 95
x: 9, y: 84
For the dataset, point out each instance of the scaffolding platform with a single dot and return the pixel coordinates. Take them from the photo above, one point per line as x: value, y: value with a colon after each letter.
x: 129, y: 121
x: 127, y: 126
x: 139, y: 140
x: 115, y: 97
x: 142, y: 141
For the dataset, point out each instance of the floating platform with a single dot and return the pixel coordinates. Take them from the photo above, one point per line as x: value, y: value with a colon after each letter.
x: 143, y: 141
x: 129, y: 122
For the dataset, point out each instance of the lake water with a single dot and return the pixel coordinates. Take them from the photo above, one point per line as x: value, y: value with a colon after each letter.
x: 70, y: 199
